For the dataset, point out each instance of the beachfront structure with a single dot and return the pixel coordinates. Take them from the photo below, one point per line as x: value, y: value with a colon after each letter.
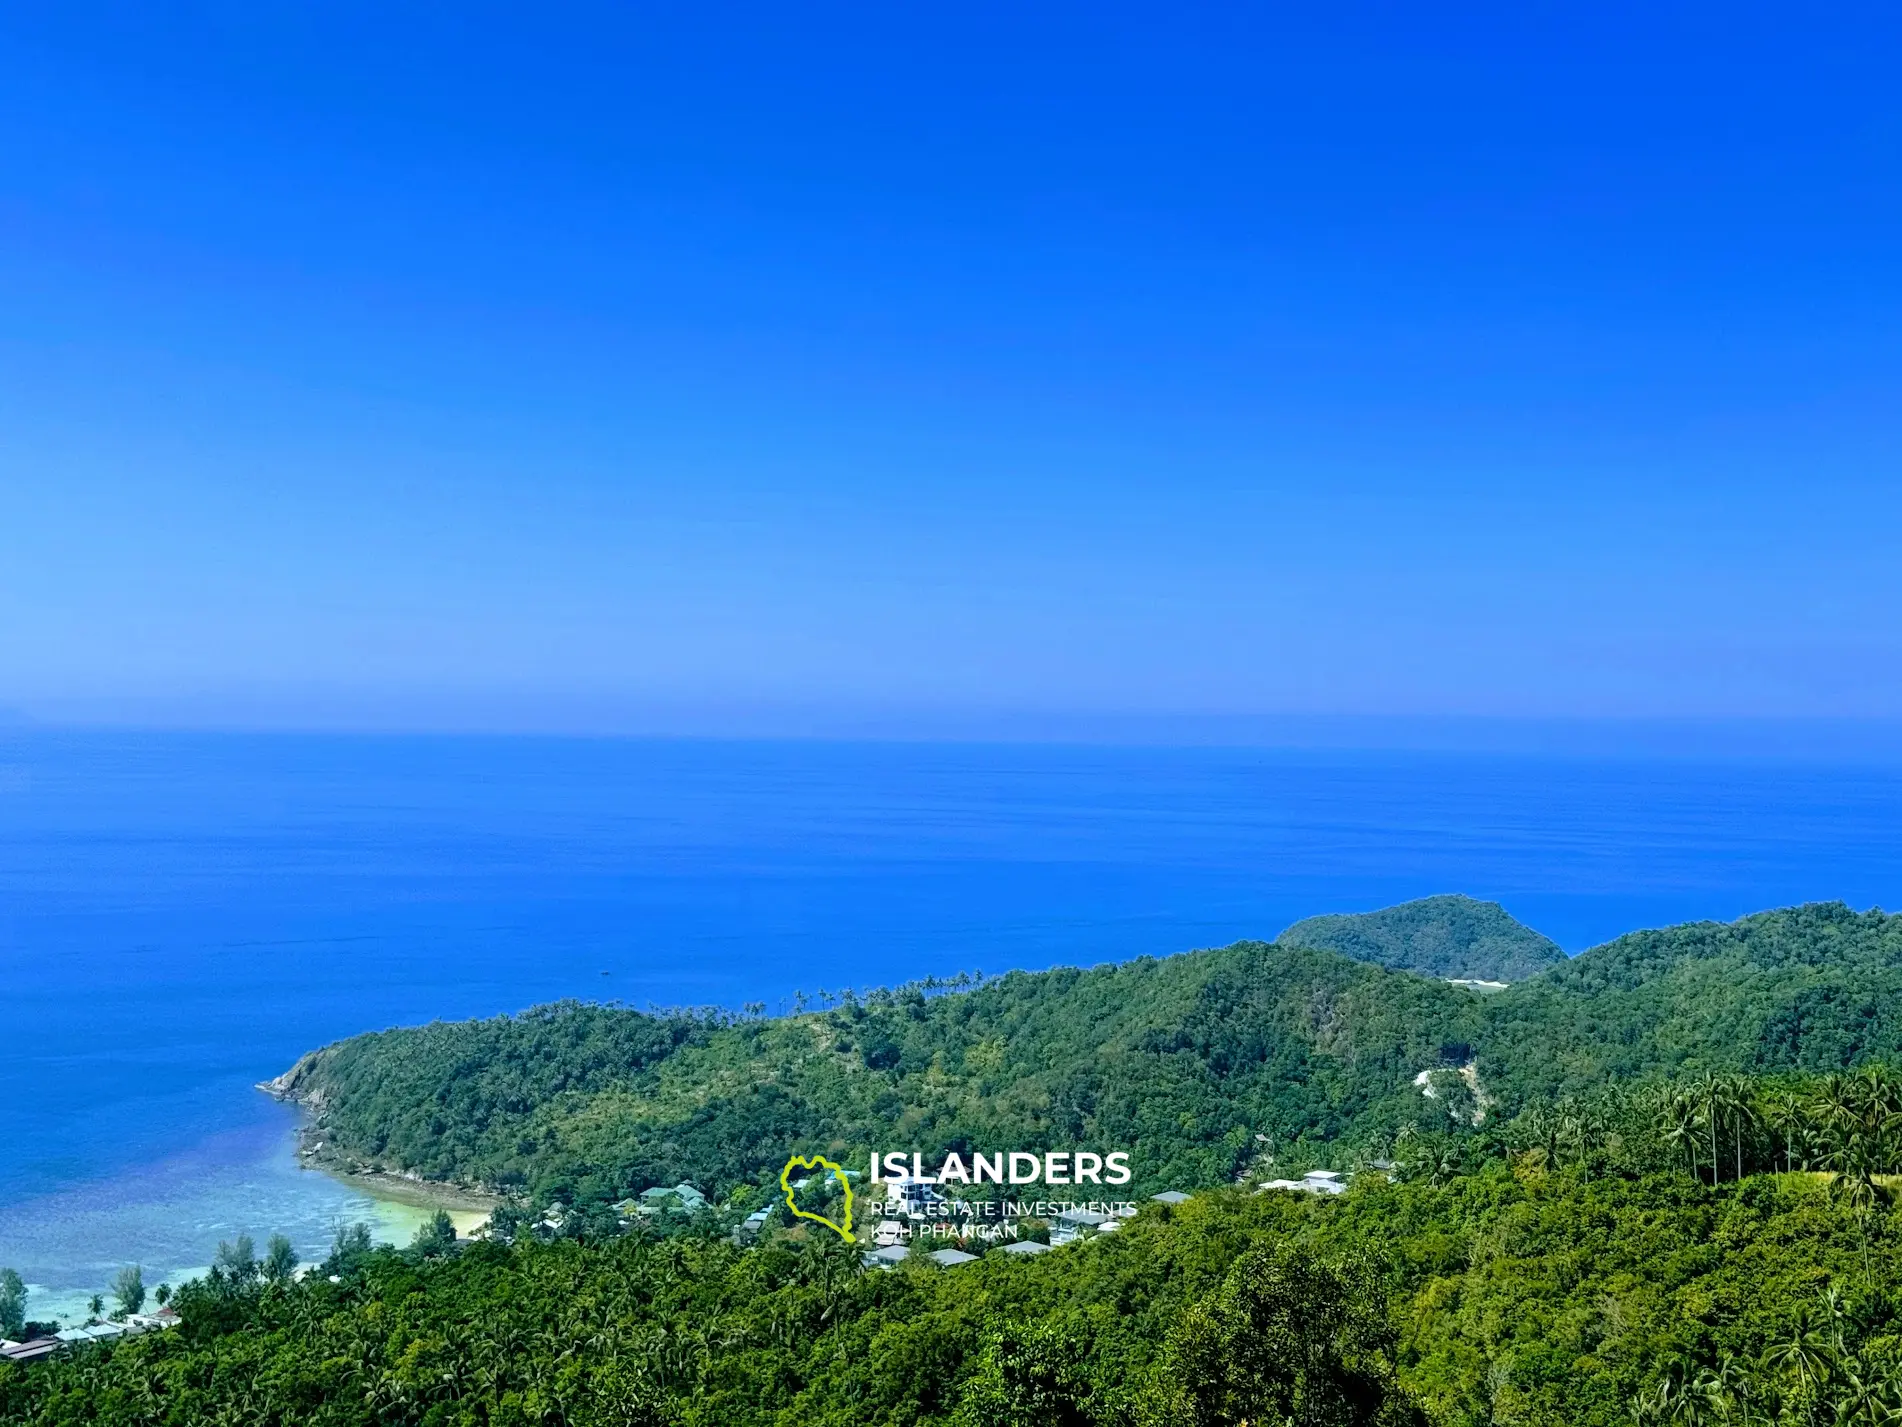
x: 29, y: 1350
x: 129, y: 1326
x: 93, y: 1333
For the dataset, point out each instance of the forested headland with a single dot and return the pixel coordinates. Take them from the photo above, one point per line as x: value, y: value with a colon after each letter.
x: 1205, y: 1066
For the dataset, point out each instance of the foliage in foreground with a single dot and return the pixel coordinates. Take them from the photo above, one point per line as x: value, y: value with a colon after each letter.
x: 1515, y: 1295
x: 1204, y: 1318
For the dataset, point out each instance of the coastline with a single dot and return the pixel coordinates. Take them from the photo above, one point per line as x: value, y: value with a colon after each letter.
x: 467, y: 1207
x: 413, y: 1193
x: 416, y: 1193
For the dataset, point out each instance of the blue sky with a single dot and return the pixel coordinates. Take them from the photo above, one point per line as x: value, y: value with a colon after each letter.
x: 633, y: 367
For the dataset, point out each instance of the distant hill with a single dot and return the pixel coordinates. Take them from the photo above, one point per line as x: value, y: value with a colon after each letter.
x: 1456, y: 938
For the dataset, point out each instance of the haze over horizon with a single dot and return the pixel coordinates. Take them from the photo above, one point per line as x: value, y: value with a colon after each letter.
x: 594, y: 370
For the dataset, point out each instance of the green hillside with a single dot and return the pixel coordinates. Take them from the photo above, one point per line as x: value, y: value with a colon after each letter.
x: 1196, y: 1063
x: 1204, y: 1065
x: 1452, y: 937
x: 1816, y: 988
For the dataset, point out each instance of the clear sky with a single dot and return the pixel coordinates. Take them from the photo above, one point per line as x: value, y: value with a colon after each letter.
x: 638, y: 365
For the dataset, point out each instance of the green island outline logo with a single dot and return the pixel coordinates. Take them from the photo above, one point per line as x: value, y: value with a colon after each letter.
x: 818, y: 1161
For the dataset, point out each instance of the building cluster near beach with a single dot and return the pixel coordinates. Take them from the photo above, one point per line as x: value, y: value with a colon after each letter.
x: 45, y: 1345
x: 911, y: 1211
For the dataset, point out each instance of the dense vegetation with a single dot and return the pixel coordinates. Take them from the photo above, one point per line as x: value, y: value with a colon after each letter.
x: 1450, y: 937
x: 1207, y: 1066
x: 1200, y: 1318
x: 1515, y: 1291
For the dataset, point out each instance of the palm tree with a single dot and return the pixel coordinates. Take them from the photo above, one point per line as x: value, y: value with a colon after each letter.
x: 1669, y: 1400
x: 1653, y: 1406
x: 1855, y: 1187
x: 1805, y: 1357
x: 1858, y: 1399
x: 1725, y: 1389
x: 1788, y: 1112
x: 1708, y: 1093
x: 1677, y: 1124
x: 1881, y: 1104
x: 1546, y: 1130
x: 1583, y: 1127
x: 1569, y: 1130
x: 1740, y: 1104
x: 1834, y: 1108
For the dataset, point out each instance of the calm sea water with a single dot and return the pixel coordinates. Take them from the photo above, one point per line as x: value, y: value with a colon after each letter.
x: 182, y: 915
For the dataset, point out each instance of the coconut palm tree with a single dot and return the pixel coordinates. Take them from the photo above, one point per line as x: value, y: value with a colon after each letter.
x: 1787, y: 1112
x: 1545, y: 1130
x: 1677, y: 1124
x: 1857, y: 1398
x: 1709, y: 1093
x: 1807, y: 1359
x: 1726, y: 1389
x: 1880, y: 1100
x: 1571, y: 1131
x: 1583, y: 1126
x: 1854, y: 1187
x: 1833, y: 1108
x: 1740, y: 1108
x: 1669, y: 1398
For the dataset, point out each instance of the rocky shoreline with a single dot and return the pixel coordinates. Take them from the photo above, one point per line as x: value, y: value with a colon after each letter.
x: 294, y: 1087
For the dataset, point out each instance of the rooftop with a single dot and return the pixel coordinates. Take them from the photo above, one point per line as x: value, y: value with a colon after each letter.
x: 27, y: 1351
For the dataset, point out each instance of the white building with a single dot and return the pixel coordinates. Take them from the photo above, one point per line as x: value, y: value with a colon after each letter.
x: 1315, y: 1181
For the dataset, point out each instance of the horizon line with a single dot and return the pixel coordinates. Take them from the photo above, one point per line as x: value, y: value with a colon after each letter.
x: 1803, y: 736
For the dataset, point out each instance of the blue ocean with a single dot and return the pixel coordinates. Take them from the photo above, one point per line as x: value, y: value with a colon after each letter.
x: 181, y: 915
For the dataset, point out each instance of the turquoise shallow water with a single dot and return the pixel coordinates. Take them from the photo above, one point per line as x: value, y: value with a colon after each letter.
x: 182, y: 915
x: 167, y: 1214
